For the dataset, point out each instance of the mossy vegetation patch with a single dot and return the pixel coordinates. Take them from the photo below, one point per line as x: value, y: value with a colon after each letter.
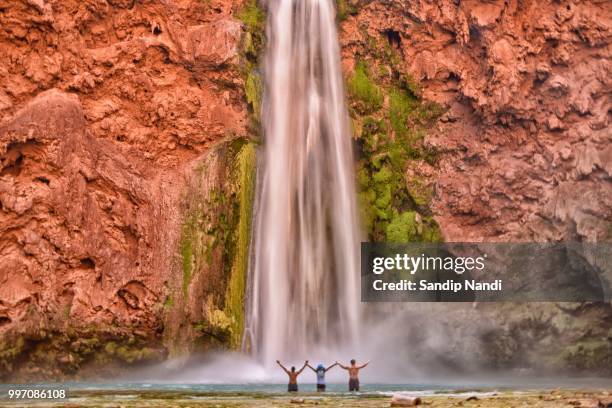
x: 235, y: 295
x: 195, y: 246
x: 253, y: 19
x: 345, y: 8
x: 9, y: 352
x: 243, y: 175
x: 59, y: 354
x: 368, y: 96
x: 214, y: 249
x: 390, y: 121
x: 254, y: 90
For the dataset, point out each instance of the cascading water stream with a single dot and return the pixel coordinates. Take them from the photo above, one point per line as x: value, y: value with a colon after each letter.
x: 303, y: 289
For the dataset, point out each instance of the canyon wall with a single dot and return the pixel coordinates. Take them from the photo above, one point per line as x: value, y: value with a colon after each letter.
x: 114, y: 115
x: 127, y: 132
x: 496, y: 116
x: 525, y: 147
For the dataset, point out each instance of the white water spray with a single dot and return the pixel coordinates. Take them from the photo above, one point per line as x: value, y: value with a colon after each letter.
x: 303, y: 280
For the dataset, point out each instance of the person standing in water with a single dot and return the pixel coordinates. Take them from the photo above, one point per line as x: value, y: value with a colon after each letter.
x: 320, y: 372
x: 353, y: 374
x: 293, y: 375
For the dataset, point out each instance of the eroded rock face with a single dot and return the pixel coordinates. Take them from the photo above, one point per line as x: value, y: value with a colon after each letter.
x: 523, y: 154
x: 526, y: 139
x: 104, y: 109
x: 74, y: 212
x: 108, y: 108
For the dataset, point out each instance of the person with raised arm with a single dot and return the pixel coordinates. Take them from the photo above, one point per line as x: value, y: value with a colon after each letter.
x: 320, y: 372
x: 353, y: 374
x: 293, y: 375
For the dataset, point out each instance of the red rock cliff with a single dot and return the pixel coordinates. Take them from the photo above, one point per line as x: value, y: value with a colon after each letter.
x: 106, y: 109
x: 519, y: 149
x: 526, y: 140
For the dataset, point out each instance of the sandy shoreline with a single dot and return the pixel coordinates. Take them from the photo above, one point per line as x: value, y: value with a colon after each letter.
x: 554, y: 398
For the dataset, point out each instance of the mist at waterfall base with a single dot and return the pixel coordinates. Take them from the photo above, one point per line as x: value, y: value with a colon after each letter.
x: 417, y: 347
x: 383, y: 344
x: 408, y: 350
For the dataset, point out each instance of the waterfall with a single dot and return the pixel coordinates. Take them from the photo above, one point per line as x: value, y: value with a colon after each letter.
x: 303, y: 278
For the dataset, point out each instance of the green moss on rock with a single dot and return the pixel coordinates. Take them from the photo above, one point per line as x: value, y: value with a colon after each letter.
x: 390, y: 122
x: 403, y: 227
x: 345, y: 8
x: 168, y: 303
x: 9, y: 352
x: 253, y: 39
x: 401, y: 106
x: 364, y: 91
x: 235, y: 293
x: 195, y: 244
x: 214, y: 244
x: 252, y: 17
x: 254, y: 90
x: 58, y: 354
x: 186, y: 256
